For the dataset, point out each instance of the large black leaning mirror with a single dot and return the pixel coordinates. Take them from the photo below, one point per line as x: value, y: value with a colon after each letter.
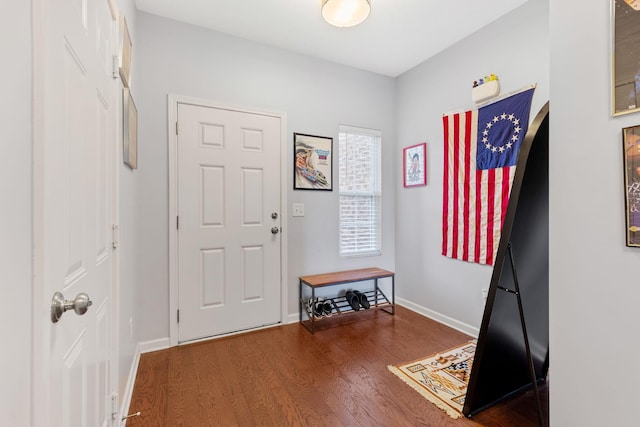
x: 512, y: 353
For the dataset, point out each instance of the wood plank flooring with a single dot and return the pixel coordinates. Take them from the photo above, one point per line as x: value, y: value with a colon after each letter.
x: 285, y: 376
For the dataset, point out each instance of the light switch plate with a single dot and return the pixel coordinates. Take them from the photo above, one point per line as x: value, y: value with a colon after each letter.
x: 298, y: 209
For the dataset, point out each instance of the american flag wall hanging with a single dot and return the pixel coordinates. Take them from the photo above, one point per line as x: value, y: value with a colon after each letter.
x: 481, y: 150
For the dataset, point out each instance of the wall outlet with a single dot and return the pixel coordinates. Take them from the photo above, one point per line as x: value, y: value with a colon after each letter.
x: 484, y: 294
x: 298, y: 209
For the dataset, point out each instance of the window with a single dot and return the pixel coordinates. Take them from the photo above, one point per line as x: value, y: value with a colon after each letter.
x: 360, y: 191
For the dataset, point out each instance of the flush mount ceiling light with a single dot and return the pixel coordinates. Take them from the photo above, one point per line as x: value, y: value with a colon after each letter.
x: 345, y: 13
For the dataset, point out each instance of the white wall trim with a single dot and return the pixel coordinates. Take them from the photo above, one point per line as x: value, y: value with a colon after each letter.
x: 116, y: 290
x: 172, y: 119
x: 153, y: 345
x: 141, y: 348
x: 284, y: 220
x: 125, y: 400
x: 439, y: 317
x: 173, y: 101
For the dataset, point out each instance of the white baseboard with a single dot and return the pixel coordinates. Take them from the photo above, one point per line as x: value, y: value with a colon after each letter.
x: 154, y: 345
x: 142, y: 347
x: 293, y: 318
x: 439, y: 317
x: 125, y: 402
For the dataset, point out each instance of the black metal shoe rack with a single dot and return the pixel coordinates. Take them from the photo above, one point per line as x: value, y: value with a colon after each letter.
x: 340, y: 305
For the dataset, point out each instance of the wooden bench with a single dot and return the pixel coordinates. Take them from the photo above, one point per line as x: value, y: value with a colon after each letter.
x: 339, y: 304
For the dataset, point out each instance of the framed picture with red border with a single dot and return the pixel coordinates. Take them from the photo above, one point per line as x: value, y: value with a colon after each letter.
x: 414, y: 165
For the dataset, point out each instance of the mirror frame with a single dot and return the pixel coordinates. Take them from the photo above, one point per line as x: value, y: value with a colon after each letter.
x: 621, y: 22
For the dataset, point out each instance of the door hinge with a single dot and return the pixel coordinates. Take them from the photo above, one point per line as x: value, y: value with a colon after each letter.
x: 114, y: 406
x: 114, y: 236
x: 177, y: 223
x: 178, y: 316
x: 115, y: 67
x: 176, y: 128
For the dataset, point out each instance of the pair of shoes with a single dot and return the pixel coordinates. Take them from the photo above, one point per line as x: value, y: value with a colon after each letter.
x: 364, y: 301
x: 357, y: 299
x: 321, y: 307
x: 353, y: 300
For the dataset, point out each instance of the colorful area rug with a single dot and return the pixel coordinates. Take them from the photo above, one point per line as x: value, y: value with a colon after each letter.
x: 441, y: 378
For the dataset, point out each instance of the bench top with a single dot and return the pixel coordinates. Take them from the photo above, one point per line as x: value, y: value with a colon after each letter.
x: 345, y: 276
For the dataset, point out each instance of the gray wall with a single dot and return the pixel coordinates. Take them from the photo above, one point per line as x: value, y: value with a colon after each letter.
x: 15, y: 214
x: 594, y: 289
x: 174, y: 58
x: 516, y: 49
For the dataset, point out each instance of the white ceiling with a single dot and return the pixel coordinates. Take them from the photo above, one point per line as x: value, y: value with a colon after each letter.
x: 398, y: 35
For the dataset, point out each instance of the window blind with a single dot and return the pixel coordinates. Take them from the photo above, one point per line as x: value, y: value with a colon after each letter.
x: 360, y: 191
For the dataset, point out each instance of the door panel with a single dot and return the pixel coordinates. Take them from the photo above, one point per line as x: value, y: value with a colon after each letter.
x: 212, y: 282
x: 74, y: 110
x: 212, y: 196
x: 228, y: 187
x: 253, y: 274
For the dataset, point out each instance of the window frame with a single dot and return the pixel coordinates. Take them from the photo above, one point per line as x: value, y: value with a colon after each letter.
x: 375, y: 195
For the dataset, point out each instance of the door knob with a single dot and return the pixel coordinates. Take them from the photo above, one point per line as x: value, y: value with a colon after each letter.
x: 275, y: 230
x: 59, y: 305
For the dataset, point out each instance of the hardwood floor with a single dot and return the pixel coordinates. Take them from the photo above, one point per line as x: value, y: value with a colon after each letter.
x: 285, y: 376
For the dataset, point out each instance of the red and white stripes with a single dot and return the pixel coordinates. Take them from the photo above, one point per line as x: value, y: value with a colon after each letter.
x: 474, y: 201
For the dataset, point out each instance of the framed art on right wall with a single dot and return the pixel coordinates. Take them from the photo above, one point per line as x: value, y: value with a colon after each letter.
x: 414, y: 162
x: 631, y: 152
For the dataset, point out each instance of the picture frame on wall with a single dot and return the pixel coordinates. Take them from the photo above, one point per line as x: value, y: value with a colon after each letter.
x: 414, y: 165
x: 130, y: 130
x: 125, y: 53
x: 631, y: 153
x: 312, y: 162
x: 625, y: 56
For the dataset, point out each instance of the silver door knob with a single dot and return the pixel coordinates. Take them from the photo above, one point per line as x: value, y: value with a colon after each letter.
x: 59, y: 305
x: 275, y: 230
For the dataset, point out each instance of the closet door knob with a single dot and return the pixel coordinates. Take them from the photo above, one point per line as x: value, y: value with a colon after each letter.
x: 59, y: 305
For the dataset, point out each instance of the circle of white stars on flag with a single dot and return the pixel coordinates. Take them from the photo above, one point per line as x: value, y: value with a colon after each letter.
x: 515, y: 124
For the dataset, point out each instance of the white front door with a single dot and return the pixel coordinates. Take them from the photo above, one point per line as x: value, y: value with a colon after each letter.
x: 229, y: 219
x: 74, y: 143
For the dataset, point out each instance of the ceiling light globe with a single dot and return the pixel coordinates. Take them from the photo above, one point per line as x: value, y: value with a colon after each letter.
x: 345, y: 13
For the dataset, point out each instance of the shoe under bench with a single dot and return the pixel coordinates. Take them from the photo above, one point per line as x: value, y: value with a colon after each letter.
x: 377, y: 299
